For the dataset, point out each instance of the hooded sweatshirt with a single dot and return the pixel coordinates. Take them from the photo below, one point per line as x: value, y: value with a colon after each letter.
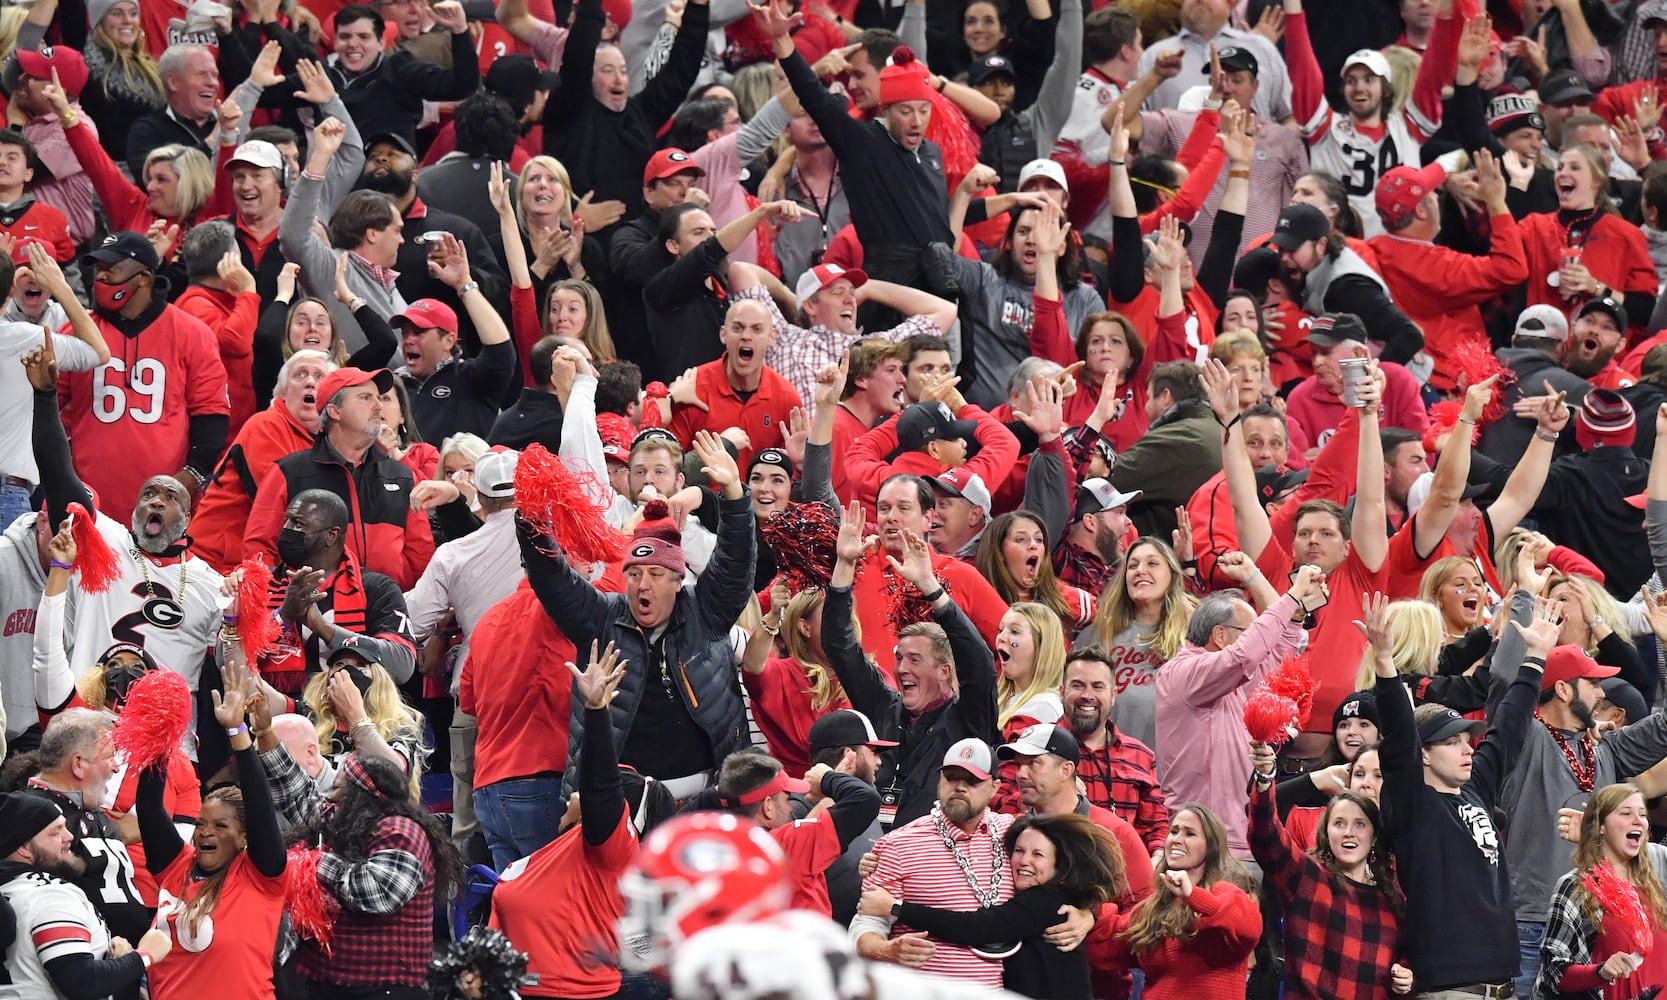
x: 22, y: 581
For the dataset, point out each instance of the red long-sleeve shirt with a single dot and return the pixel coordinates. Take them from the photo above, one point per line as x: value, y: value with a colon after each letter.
x: 231, y: 316
x: 1210, y: 965
x: 866, y: 465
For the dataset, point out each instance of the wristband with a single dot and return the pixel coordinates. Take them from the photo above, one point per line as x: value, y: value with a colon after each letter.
x: 229, y: 619
x: 357, y: 303
x: 1241, y: 173
x: 1117, y: 163
x: 1466, y: 420
x: 932, y: 598
x: 360, y: 724
x: 62, y: 565
x: 1545, y: 435
x: 242, y: 728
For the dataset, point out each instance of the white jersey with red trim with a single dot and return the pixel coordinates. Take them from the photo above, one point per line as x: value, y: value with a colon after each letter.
x: 803, y: 955
x: 54, y: 920
x: 1359, y: 159
x: 1082, y: 130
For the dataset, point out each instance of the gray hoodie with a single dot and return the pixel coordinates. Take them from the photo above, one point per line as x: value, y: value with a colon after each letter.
x: 22, y: 581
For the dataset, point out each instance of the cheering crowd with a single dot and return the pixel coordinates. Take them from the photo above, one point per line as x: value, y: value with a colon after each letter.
x: 851, y: 500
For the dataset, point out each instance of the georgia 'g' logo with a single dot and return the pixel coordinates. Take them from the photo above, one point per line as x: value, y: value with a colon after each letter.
x: 642, y: 551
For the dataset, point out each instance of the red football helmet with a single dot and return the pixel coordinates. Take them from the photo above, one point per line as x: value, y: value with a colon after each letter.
x: 694, y: 872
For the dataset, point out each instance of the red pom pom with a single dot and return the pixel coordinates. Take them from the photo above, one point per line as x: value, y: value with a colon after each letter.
x: 1269, y: 718
x: 1293, y: 680
x: 1623, y: 910
x: 567, y: 504
x: 802, y: 538
x: 312, y: 911
x: 655, y: 510
x: 94, y: 558
x: 902, y: 56
x: 154, y: 718
x: 256, y: 627
x: 1475, y: 362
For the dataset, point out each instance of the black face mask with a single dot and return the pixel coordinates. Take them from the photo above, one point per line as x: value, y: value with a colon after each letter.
x: 361, y: 680
x: 117, y: 680
x: 292, y: 547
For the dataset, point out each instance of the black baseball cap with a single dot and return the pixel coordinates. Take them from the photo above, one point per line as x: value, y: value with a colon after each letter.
x: 1298, y: 224
x: 1609, y: 307
x: 1447, y: 724
x: 517, y: 77
x: 844, y: 728
x: 983, y: 69
x: 1255, y: 269
x: 1044, y: 737
x: 366, y: 651
x: 121, y: 246
x: 923, y: 423
x: 1564, y: 86
x: 392, y: 139
x: 1274, y: 481
x: 771, y: 456
x: 1234, y: 58
x: 1332, y: 329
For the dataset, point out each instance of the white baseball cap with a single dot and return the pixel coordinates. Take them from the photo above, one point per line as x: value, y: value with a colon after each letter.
x: 823, y: 275
x: 495, y: 473
x: 1372, y: 59
x: 1043, y: 168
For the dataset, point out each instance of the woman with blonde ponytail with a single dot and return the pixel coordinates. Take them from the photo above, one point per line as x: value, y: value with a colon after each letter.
x: 789, y: 693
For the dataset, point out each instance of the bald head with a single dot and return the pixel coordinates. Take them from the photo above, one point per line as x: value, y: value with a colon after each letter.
x: 299, y: 737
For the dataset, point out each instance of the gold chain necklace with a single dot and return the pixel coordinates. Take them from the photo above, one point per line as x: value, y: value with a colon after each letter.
x: 144, y: 570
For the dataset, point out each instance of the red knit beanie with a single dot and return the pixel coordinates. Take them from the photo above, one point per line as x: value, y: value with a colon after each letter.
x: 1605, y: 418
x: 657, y: 541
x: 905, y: 78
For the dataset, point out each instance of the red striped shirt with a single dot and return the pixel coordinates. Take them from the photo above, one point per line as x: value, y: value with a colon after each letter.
x: 914, y: 865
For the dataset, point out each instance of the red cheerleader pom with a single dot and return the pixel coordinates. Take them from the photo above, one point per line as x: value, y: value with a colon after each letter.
x: 1475, y: 362
x: 1270, y: 718
x: 312, y: 911
x: 1623, y: 909
x: 567, y: 505
x: 1444, y: 416
x: 803, y: 538
x: 154, y: 718
x: 1292, y: 679
x: 256, y: 627
x: 97, y: 561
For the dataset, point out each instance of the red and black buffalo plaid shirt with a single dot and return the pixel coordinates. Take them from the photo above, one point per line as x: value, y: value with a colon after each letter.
x: 1341, y: 937
x: 1123, y: 776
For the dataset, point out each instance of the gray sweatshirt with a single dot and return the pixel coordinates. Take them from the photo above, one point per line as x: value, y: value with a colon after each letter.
x: 22, y: 581
x: 302, y: 245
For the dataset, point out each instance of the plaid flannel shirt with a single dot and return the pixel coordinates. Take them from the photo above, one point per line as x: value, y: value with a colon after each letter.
x: 797, y: 353
x: 1123, y: 776
x: 1341, y: 937
x: 1570, y: 938
x: 383, y: 935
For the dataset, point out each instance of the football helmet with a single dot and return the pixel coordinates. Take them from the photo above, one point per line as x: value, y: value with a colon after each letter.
x: 693, y: 872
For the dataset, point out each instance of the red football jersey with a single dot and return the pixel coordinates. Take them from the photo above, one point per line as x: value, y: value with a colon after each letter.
x: 229, y: 951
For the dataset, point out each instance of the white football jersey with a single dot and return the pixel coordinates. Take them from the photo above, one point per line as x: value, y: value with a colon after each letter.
x: 1358, y: 159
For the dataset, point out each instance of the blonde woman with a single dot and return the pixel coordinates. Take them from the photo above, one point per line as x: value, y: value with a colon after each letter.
x: 458, y: 455
x: 1455, y: 587
x: 1142, y: 623
x: 1582, y: 954
x: 1593, y: 620
x: 1030, y: 672
x: 123, y: 82
x: 357, y: 709
x: 1415, y: 632
x: 789, y: 693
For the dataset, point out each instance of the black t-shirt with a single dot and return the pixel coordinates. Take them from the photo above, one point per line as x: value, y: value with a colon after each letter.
x: 108, y: 878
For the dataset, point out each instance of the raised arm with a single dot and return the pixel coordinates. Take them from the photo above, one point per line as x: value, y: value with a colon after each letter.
x: 726, y: 585
x: 861, y: 679
x: 1370, y: 524
x: 1452, y: 473
x: 1249, y: 516
x: 1522, y: 489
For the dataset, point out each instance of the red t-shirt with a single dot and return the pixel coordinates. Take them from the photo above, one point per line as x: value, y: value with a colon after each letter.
x: 1335, y: 646
x: 781, y: 705
x: 1404, y: 571
x: 583, y: 880
x: 811, y: 845
x: 229, y: 953
x: 763, y: 414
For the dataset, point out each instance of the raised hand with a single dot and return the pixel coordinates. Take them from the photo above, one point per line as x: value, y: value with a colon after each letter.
x: 1221, y: 389
x: 1541, y: 634
x: 291, y: 271
x: 327, y: 139
x: 1044, y: 408
x: 1477, y: 398
x: 1262, y: 758
x: 162, y: 235
x: 231, y: 270
x: 598, y: 215
x: 1309, y: 588
x: 1475, y: 42
x: 720, y: 469
x: 302, y: 594
x: 265, y: 73
x: 916, y: 564
x: 344, y: 292
x: 316, y: 87
x: 54, y: 95
x: 450, y: 262
x: 498, y: 190
x: 1182, y: 536
x: 449, y: 14
x: 62, y: 546
x: 230, y: 706
x: 345, y: 699
x: 1118, y: 129
x: 798, y: 432
x: 1168, y: 252
x: 979, y: 178
x: 46, y: 271
x: 1373, y: 622
x: 41, y: 365
x: 228, y: 114
x: 830, y: 382
x: 598, y: 683
x: 851, y: 544
x: 775, y: 23
x: 1051, y: 230
x: 1236, y: 566
x: 1655, y: 608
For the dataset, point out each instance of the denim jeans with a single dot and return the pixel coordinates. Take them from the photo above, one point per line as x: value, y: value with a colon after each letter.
x: 518, y: 816
x: 14, y: 503
x: 1529, y: 935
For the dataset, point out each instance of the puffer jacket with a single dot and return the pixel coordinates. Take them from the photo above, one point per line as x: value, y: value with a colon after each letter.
x: 695, y: 643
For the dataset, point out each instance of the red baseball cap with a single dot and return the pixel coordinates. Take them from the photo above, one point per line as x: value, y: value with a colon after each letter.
x: 669, y: 163
x: 20, y: 250
x: 616, y: 434
x: 618, y: 13
x: 428, y: 314
x: 72, y: 69
x: 1402, y: 188
x: 1570, y: 663
x: 347, y: 378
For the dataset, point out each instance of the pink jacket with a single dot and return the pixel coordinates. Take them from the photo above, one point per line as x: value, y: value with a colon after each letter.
x: 1203, y: 747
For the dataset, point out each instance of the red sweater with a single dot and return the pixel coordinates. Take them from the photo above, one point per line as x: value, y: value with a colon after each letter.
x: 967, y: 587
x: 1615, y: 253
x: 1441, y: 289
x: 232, y: 317
x: 218, y: 523
x: 1211, y: 965
x: 781, y: 705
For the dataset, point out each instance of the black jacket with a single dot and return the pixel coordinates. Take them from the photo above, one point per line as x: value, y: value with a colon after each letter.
x: 159, y: 128
x: 691, y: 655
x: 1506, y: 439
x: 908, y: 775
x: 389, y: 96
x: 897, y: 197
x: 1583, y: 505
x: 1007, y: 146
x: 635, y: 254
x: 415, y: 282
x: 605, y: 151
x: 535, y: 418
x: 1037, y: 969
x: 462, y: 394
x: 685, y: 312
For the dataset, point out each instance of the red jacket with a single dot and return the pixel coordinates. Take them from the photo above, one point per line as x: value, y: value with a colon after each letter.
x: 866, y: 465
x: 514, y: 683
x: 1441, y: 289
x: 218, y: 524
x: 232, y: 317
x: 383, y: 532
x: 1615, y: 253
